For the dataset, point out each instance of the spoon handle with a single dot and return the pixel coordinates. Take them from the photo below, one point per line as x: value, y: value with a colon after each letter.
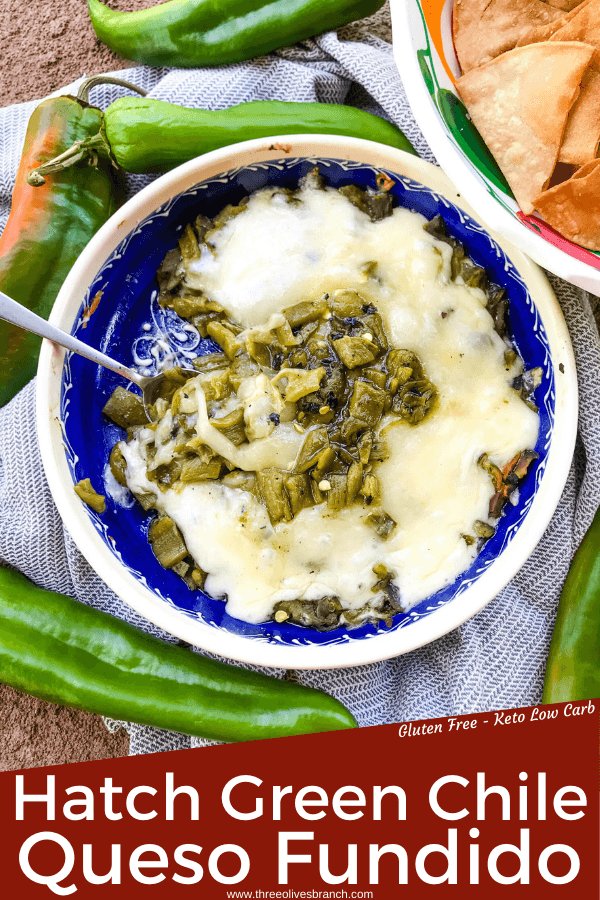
x: 19, y: 315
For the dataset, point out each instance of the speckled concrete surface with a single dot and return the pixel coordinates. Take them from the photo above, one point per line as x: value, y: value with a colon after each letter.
x: 42, y: 734
x: 49, y: 43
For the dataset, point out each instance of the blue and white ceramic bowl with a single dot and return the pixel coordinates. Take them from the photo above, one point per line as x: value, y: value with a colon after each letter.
x: 119, y: 267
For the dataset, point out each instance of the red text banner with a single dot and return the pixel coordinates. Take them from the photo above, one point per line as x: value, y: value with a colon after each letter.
x: 475, y: 803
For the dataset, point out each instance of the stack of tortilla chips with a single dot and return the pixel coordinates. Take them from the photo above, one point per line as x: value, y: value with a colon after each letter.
x: 531, y: 85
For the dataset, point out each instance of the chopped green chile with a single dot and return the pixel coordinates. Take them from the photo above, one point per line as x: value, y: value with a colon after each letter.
x: 174, y: 378
x: 186, y: 307
x: 308, y: 311
x: 188, y: 245
x: 365, y: 446
x: 506, y: 480
x: 379, y: 451
x: 298, y: 383
x: 166, y: 475
x: 118, y: 465
x: 241, y: 368
x: 271, y: 484
x: 168, y: 275
x: 346, y: 304
x: 367, y: 402
x: 483, y: 530
x: 376, y: 204
x: 526, y: 385
x: 241, y: 481
x: 377, y: 376
x: 314, y: 443
x: 226, y: 338
x: 354, y: 481
x: 373, y: 323
x: 125, y: 409
x: 370, y: 489
x: 323, y: 614
x: 232, y: 426
x: 195, y: 469
x: 86, y: 492
x: 354, y: 351
x: 216, y: 385
x: 336, y: 495
x: 370, y: 268
x: 520, y: 467
x: 414, y: 399
x: 299, y: 492
x: 146, y: 499
x: 401, y: 359
x: 492, y: 469
x: 209, y: 361
x: 325, y: 461
x: 382, y: 523
x: 167, y: 542
x: 384, y: 578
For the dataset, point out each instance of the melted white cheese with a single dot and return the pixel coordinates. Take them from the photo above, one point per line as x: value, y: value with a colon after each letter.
x: 276, y: 254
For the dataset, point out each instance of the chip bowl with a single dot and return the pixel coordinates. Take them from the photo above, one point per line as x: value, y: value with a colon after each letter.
x: 109, y: 300
x: 425, y: 56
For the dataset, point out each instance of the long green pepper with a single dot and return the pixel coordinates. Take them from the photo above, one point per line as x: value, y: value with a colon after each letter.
x: 49, y: 226
x: 60, y: 650
x: 190, y: 33
x: 573, y: 668
x: 144, y: 135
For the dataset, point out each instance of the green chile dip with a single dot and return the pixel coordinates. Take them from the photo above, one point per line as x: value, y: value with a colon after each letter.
x: 281, y: 486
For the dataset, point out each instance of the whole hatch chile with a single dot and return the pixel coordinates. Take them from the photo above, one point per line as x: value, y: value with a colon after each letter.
x: 63, y: 651
x: 573, y: 668
x: 190, y: 33
x: 145, y: 135
x: 49, y: 226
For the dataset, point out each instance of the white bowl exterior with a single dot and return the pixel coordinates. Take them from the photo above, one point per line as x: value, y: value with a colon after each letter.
x: 408, y: 36
x: 142, y: 600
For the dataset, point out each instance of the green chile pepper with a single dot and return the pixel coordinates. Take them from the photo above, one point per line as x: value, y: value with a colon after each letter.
x: 60, y: 650
x: 49, y: 226
x: 190, y: 33
x: 573, y: 668
x: 146, y: 135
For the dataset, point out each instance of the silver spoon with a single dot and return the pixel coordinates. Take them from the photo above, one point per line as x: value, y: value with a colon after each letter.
x: 19, y: 315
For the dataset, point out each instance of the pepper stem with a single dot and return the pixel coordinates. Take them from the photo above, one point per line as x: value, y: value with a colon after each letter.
x: 86, y: 86
x: 79, y: 150
x: 87, y: 148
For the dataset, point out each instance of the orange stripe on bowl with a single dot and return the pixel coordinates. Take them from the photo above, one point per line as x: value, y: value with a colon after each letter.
x: 432, y: 12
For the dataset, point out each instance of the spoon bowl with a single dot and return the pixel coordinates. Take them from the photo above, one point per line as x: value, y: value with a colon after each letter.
x: 19, y: 315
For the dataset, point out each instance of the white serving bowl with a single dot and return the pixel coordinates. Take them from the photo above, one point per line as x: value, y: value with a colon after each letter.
x: 424, y: 54
x: 71, y: 393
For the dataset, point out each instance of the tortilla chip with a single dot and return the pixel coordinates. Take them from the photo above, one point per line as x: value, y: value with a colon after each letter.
x: 540, y: 33
x: 582, y: 133
x: 483, y: 29
x: 583, y: 24
x: 519, y: 103
x: 573, y: 207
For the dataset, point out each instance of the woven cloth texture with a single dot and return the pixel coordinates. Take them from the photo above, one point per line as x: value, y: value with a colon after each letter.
x: 494, y: 661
